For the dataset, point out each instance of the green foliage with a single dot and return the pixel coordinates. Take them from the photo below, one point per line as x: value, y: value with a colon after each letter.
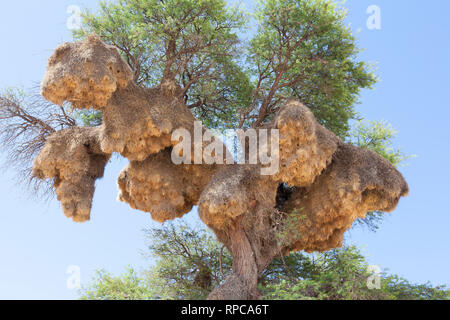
x: 144, y: 31
x: 398, y: 288
x: 372, y: 221
x: 289, y: 228
x: 189, y: 262
x: 104, y: 286
x: 342, y: 274
x: 377, y: 136
x: 303, y: 49
x: 221, y: 100
x: 194, y: 41
x: 89, y: 118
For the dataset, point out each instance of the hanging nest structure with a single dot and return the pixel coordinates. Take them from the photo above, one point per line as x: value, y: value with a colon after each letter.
x: 329, y: 185
x: 321, y: 187
x: 74, y: 160
x: 137, y: 122
x: 165, y: 190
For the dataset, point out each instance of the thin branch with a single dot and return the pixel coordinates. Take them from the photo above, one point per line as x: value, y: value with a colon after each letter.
x: 25, y: 123
x: 221, y: 261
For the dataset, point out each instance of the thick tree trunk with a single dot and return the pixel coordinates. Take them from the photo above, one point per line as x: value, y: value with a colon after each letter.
x: 244, y: 261
x: 243, y: 283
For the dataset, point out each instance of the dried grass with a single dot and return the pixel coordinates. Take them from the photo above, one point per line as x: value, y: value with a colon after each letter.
x: 158, y: 186
x: 306, y: 147
x: 137, y: 121
x: 85, y: 74
x: 73, y: 159
x: 357, y: 181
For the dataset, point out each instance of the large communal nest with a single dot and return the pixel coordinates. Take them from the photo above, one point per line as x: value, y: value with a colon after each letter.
x: 85, y: 74
x: 356, y: 182
x: 165, y: 190
x: 74, y: 160
x: 330, y: 184
x: 321, y: 187
x: 137, y: 122
x: 306, y: 147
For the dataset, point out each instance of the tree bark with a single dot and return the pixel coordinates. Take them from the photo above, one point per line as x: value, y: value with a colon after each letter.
x: 242, y: 284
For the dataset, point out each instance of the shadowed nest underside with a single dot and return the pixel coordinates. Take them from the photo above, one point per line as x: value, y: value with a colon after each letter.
x: 74, y: 160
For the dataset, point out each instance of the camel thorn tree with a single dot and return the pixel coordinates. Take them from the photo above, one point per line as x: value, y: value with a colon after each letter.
x: 151, y: 68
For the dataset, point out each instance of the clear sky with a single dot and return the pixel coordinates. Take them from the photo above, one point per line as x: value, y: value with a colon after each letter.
x: 38, y: 244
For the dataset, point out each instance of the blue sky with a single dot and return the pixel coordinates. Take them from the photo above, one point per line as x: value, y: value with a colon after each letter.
x: 38, y: 244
